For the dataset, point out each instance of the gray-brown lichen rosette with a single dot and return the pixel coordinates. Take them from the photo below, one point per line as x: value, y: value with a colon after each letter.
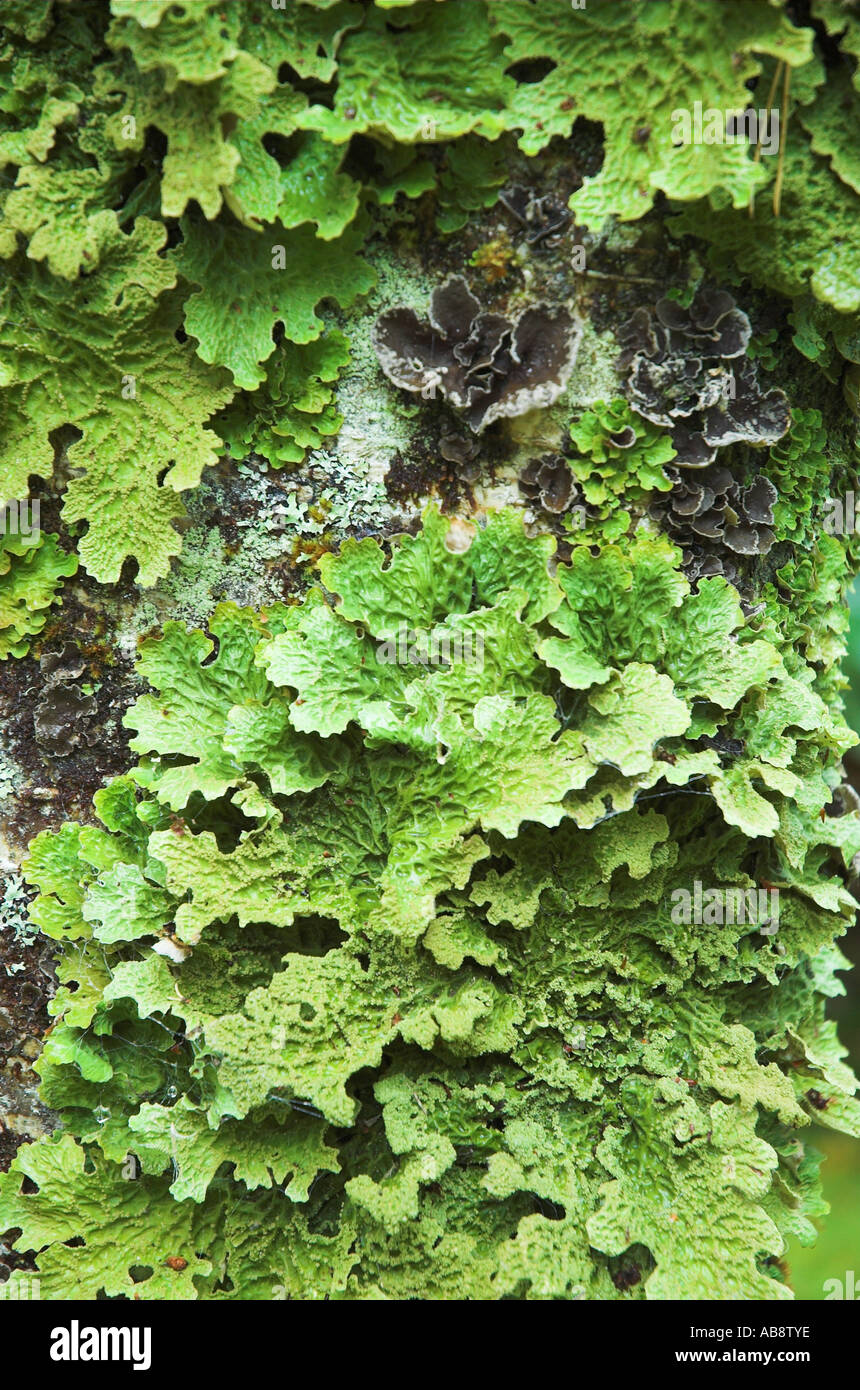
x: 713, y: 506
x: 688, y: 371
x: 485, y: 365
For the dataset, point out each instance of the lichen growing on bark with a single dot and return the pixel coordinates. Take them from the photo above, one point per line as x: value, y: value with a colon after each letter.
x: 421, y: 941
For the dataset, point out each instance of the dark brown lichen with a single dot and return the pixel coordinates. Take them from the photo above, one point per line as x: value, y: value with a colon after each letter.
x: 555, y: 502
x: 63, y: 712
x: 687, y: 371
x: 485, y: 365
x: 547, y: 483
x: 463, y: 450
x: 712, y: 506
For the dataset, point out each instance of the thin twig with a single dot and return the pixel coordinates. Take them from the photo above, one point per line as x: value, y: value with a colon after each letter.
x: 610, y: 275
x: 783, y: 133
x: 768, y: 107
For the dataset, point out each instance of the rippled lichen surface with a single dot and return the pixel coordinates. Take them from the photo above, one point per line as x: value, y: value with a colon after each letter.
x: 366, y: 980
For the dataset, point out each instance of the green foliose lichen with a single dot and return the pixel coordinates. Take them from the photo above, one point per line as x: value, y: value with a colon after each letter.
x: 464, y: 928
x: 375, y: 981
x: 32, y: 570
x: 253, y: 141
